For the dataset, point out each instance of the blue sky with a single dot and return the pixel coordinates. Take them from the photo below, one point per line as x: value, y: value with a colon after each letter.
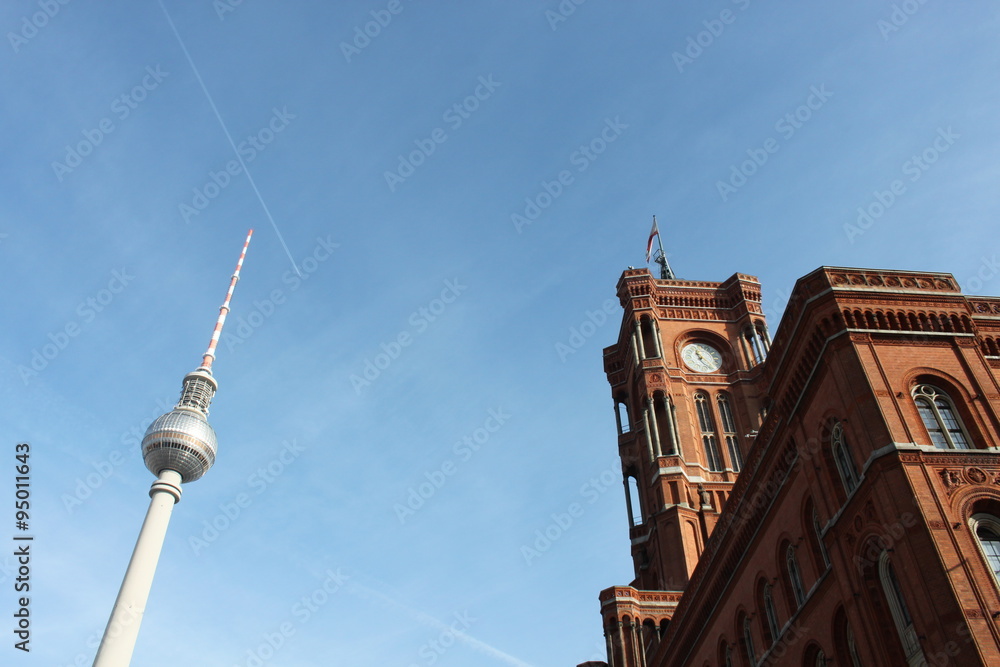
x: 452, y: 248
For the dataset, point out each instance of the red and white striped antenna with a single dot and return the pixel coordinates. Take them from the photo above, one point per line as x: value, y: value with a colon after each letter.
x: 206, y: 361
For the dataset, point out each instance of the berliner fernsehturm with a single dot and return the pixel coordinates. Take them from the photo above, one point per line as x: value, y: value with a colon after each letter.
x: 178, y: 447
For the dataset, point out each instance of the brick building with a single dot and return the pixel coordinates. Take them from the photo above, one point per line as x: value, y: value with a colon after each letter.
x: 828, y: 498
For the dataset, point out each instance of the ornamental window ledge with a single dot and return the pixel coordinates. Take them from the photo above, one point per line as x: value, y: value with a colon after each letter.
x: 928, y: 449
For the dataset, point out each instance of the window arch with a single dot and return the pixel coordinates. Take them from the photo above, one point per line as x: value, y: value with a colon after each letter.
x: 794, y: 576
x: 842, y: 457
x: 708, y: 432
x: 900, y: 612
x: 729, y: 431
x: 986, y: 528
x: 940, y: 418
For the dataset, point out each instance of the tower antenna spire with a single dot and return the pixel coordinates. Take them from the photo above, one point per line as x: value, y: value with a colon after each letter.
x: 209, y: 357
x: 660, y: 257
x: 178, y: 447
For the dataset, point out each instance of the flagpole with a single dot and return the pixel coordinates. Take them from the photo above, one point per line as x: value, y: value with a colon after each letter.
x: 666, y: 273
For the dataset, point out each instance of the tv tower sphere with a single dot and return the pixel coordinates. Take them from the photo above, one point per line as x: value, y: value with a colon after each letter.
x: 182, y: 439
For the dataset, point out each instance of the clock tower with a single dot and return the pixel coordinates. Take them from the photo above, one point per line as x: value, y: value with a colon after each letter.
x: 686, y: 380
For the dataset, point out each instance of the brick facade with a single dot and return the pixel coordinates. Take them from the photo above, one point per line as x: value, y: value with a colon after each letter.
x: 825, y: 499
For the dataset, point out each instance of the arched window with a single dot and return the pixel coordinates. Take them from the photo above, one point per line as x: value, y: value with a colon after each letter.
x: 794, y: 576
x: 729, y: 431
x: 729, y: 656
x: 986, y: 528
x: 846, y: 652
x: 852, y: 648
x: 820, y: 658
x: 900, y: 612
x: 770, y: 614
x: 708, y: 432
x: 939, y: 417
x: 753, y: 346
x: 842, y: 457
x: 649, y: 338
x: 748, y: 647
x: 633, y: 501
x: 765, y: 340
x: 818, y: 533
x: 621, y: 416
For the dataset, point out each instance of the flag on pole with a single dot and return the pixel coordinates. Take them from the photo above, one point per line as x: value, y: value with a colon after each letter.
x: 649, y: 244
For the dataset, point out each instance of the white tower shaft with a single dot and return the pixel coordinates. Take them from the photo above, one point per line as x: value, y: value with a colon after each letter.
x: 123, y: 626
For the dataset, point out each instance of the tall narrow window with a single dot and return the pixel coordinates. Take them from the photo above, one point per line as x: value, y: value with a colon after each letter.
x: 852, y: 648
x: 900, y: 612
x: 818, y: 532
x: 634, y: 501
x: 762, y: 335
x: 729, y: 655
x: 795, y: 576
x: 708, y: 432
x: 842, y: 457
x: 748, y: 641
x: 987, y: 531
x: 729, y: 432
x: 649, y: 338
x: 770, y: 613
x: 754, y: 347
x: 621, y: 416
x: 939, y: 417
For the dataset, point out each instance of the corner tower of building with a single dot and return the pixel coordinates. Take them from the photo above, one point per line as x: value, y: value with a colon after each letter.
x: 685, y: 377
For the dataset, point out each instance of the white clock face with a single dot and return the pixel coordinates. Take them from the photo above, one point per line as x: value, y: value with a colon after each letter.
x: 701, y: 357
